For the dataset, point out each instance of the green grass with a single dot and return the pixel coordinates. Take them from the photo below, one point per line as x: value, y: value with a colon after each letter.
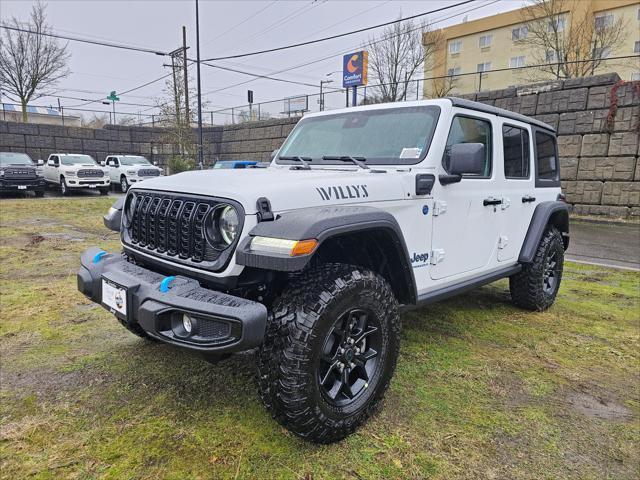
x: 482, y: 389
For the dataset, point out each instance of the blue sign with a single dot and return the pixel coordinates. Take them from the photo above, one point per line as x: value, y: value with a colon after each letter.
x: 354, y: 69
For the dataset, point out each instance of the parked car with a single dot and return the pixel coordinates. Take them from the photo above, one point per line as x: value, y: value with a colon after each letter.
x: 125, y: 170
x: 364, y: 212
x: 226, y: 164
x: 72, y: 171
x: 18, y: 172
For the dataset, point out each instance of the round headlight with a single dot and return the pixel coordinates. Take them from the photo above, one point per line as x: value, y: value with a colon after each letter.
x: 228, y: 224
x: 129, y: 208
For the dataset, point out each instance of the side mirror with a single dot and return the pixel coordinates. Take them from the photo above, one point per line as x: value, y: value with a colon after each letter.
x: 51, y: 163
x: 103, y: 163
x: 464, y: 159
x: 40, y: 162
x: 155, y: 163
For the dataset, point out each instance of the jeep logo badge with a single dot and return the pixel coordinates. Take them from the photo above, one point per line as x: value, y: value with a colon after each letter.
x: 343, y: 192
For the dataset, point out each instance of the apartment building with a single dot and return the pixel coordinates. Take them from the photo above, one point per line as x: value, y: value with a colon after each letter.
x: 499, y: 42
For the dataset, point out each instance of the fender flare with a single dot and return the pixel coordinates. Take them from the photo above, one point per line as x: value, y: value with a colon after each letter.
x: 555, y: 213
x: 113, y: 217
x: 322, y: 224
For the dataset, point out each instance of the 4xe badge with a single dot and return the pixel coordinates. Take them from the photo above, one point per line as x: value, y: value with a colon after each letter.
x: 343, y: 192
x: 419, y: 260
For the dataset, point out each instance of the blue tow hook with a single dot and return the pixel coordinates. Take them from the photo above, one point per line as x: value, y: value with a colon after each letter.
x: 98, y: 256
x: 165, y: 284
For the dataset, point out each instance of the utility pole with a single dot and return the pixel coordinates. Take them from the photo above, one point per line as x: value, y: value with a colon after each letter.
x: 176, y: 98
x: 186, y: 76
x: 200, y: 152
x: 322, y: 82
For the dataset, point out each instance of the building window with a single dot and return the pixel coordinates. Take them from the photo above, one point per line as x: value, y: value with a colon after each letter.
x: 636, y: 47
x: 635, y: 77
x: 485, y: 41
x: 557, y: 24
x: 517, y: 62
x: 455, y: 46
x: 519, y: 33
x: 455, y: 71
x: 600, y: 53
x: 483, y: 67
x: 604, y: 20
x: 553, y: 57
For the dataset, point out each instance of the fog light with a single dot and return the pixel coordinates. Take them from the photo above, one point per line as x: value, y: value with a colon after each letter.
x: 186, y: 323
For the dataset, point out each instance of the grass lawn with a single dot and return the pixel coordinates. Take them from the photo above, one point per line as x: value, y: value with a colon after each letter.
x: 482, y: 389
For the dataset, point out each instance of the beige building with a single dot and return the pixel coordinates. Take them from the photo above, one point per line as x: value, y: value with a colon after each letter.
x: 499, y: 42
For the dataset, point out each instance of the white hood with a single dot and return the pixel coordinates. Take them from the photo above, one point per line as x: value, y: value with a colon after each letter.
x: 286, y: 189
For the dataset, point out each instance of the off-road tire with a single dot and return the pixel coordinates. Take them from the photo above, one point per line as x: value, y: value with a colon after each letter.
x: 299, y: 323
x: 527, y: 286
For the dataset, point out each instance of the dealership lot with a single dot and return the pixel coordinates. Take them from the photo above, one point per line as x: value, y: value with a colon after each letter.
x: 482, y: 389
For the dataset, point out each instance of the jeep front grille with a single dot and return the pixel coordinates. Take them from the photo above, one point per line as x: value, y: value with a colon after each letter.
x: 172, y: 226
x: 148, y: 172
x: 90, y: 173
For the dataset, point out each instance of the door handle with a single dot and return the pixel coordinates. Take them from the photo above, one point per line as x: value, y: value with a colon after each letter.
x: 528, y: 198
x: 492, y: 201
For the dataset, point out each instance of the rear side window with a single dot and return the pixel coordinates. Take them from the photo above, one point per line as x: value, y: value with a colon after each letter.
x: 546, y: 160
x: 470, y: 130
x: 516, y: 152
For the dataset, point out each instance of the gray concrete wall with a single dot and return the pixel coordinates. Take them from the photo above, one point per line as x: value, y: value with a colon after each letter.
x: 599, y: 162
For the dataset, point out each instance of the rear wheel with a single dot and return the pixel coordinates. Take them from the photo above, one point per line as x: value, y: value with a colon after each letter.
x: 536, y: 286
x: 330, y: 351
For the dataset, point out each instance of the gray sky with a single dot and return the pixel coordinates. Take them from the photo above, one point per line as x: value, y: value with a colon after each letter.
x: 97, y: 70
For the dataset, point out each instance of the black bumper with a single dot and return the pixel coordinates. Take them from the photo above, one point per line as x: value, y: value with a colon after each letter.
x: 221, y: 323
x: 21, y: 186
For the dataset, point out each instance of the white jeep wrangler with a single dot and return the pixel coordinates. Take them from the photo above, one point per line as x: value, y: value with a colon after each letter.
x: 72, y: 171
x: 363, y: 212
x: 125, y: 170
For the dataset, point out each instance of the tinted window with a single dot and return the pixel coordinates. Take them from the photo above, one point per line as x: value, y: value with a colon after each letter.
x: 516, y: 152
x: 470, y: 130
x: 547, y: 159
x: 10, y: 158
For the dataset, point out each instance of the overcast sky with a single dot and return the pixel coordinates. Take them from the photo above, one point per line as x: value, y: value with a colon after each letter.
x: 96, y: 70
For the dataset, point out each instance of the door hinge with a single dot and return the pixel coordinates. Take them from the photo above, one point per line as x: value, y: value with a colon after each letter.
x: 503, y: 241
x: 437, y: 256
x: 506, y: 203
x: 439, y: 207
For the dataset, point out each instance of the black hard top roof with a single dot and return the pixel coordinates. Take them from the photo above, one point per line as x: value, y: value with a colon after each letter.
x: 501, y: 112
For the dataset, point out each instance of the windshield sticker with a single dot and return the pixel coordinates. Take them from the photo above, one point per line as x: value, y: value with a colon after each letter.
x: 343, y: 192
x: 410, y: 153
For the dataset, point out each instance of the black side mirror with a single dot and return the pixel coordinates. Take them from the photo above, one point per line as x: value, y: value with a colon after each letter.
x: 464, y: 159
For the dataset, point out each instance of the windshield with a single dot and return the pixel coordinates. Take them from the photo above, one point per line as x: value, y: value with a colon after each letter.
x: 386, y: 136
x: 134, y: 160
x: 76, y: 159
x: 10, y: 158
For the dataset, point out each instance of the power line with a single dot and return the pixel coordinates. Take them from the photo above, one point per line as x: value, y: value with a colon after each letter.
x: 240, y: 23
x: 85, y: 40
x: 340, y: 35
x: 332, y: 56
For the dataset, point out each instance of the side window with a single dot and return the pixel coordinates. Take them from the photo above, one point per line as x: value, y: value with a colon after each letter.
x: 515, y: 143
x: 470, y: 130
x: 55, y: 160
x: 546, y: 158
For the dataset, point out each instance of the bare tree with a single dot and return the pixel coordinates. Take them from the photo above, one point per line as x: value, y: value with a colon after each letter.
x: 443, y: 86
x: 95, y: 120
x: 30, y: 63
x: 562, y: 34
x: 400, y: 53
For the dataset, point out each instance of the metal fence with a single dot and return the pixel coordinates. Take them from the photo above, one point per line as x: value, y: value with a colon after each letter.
x: 333, y: 98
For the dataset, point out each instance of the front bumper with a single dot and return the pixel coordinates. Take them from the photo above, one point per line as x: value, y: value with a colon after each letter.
x: 22, y: 185
x: 87, y: 182
x: 222, y: 323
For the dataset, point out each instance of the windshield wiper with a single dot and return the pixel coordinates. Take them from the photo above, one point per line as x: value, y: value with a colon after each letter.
x: 303, y: 160
x: 359, y: 161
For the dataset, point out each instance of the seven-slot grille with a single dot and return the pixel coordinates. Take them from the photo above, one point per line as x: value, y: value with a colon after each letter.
x: 148, y: 172
x: 87, y: 172
x: 171, y: 225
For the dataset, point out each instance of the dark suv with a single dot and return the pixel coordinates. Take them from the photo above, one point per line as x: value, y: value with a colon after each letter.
x: 19, y: 173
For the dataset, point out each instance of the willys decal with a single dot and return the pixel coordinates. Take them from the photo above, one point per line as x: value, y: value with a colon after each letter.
x: 343, y: 192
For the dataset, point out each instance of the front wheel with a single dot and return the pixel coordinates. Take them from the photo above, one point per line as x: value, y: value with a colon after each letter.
x: 124, y: 185
x: 40, y: 193
x: 330, y: 351
x: 64, y: 189
x: 104, y: 191
x: 536, y: 286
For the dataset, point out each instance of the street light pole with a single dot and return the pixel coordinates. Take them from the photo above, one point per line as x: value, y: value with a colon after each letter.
x: 200, y: 152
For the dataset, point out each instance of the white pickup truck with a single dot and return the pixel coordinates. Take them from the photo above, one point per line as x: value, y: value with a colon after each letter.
x: 128, y: 169
x: 75, y: 171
